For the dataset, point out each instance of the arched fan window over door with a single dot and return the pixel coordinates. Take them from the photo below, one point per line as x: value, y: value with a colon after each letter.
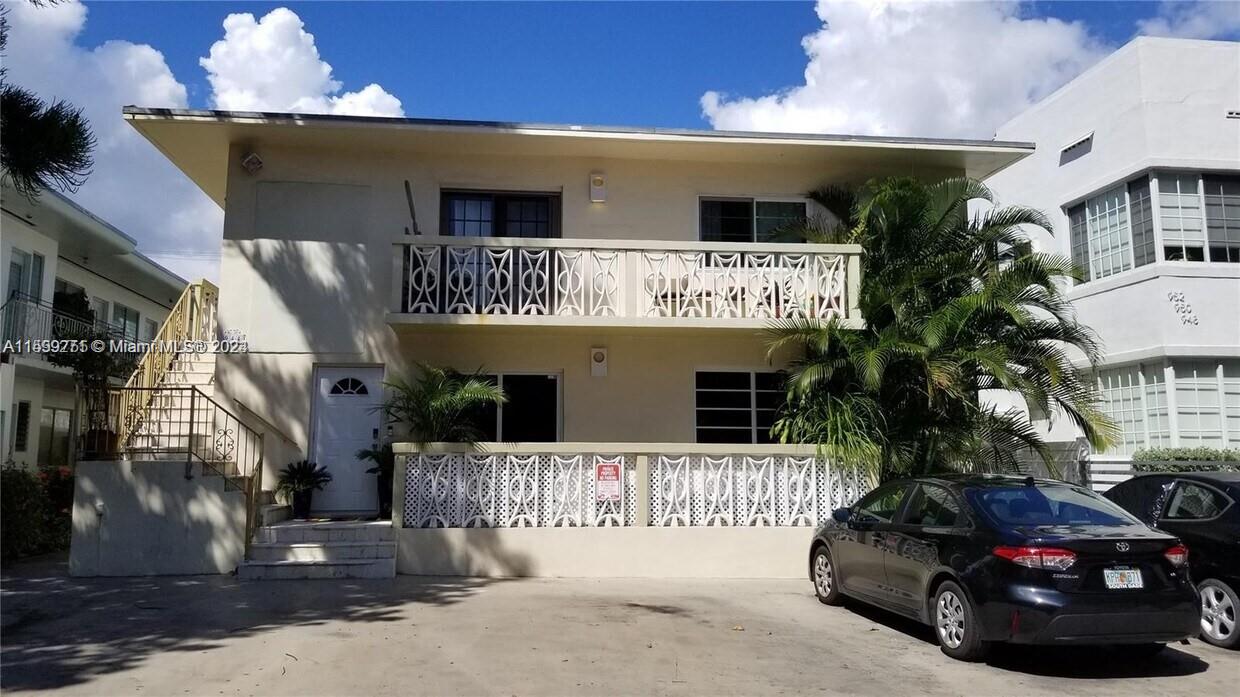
x: 346, y: 386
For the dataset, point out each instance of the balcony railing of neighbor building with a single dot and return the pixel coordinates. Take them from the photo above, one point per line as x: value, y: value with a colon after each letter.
x: 641, y: 484
x: 622, y: 282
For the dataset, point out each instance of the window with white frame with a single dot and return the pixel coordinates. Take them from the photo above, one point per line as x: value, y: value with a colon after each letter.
x: 1206, y: 395
x: 1179, y: 212
x: 737, y: 406
x: 1141, y: 218
x: 1222, y: 199
x: 1198, y: 404
x: 727, y: 219
x: 1107, y: 233
x: 1122, y: 403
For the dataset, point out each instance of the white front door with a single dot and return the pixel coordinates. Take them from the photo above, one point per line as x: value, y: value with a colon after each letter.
x: 345, y: 421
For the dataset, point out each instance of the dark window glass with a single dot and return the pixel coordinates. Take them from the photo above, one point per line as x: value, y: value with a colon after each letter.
x: 1080, y: 239
x: 771, y: 216
x: 881, y: 504
x: 493, y: 214
x: 1178, y: 253
x: 727, y: 220
x: 1222, y: 196
x: 1141, y: 216
x: 1195, y: 502
x: 737, y: 407
x: 349, y: 386
x: 1141, y: 496
x: 933, y: 506
x: 1047, y: 505
x: 21, y: 439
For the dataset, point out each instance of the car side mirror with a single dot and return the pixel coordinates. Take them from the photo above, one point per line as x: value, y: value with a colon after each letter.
x: 842, y: 515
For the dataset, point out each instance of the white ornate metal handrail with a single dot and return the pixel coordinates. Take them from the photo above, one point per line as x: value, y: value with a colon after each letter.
x: 636, y: 279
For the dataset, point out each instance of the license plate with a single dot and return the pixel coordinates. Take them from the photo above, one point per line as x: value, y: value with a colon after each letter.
x: 1122, y: 578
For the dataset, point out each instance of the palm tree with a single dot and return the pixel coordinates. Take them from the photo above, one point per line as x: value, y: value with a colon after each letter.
x: 43, y: 145
x: 441, y: 405
x: 954, y: 305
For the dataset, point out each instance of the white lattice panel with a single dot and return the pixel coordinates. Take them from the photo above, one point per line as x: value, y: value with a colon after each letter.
x: 470, y: 278
x: 743, y: 490
x: 509, y: 490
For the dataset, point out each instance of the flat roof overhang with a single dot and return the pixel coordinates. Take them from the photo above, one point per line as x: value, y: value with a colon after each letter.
x: 198, y: 141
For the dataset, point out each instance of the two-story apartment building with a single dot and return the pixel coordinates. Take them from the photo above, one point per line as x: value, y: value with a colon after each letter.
x: 1138, y: 165
x: 614, y: 281
x: 51, y: 250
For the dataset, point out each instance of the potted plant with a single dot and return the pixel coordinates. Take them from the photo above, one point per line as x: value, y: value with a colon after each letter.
x: 298, y: 482
x: 385, y: 466
x: 442, y: 405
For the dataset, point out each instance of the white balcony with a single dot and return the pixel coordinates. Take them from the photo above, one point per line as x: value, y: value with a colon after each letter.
x: 638, y: 283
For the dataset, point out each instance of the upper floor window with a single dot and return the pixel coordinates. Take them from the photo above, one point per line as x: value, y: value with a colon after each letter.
x: 1179, y: 211
x: 722, y: 219
x: 125, y: 319
x: 1196, y: 216
x: 1222, y: 197
x: 499, y: 214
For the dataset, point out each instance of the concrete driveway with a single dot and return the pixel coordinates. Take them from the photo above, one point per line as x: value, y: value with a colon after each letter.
x: 218, y: 636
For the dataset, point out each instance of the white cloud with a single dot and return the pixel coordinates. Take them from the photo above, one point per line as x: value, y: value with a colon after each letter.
x: 1194, y: 20
x: 913, y: 68
x: 272, y: 64
x: 132, y: 186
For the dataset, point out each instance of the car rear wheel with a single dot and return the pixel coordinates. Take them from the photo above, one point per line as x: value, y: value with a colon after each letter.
x: 955, y: 624
x: 1218, y: 613
x: 826, y: 582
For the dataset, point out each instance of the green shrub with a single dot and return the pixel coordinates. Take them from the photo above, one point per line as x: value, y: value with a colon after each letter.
x: 36, y: 510
x: 1186, y: 459
x: 23, y: 513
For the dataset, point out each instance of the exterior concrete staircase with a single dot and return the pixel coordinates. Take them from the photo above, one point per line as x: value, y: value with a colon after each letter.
x: 321, y: 549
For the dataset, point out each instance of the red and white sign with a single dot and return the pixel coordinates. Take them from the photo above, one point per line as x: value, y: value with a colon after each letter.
x: 607, y: 486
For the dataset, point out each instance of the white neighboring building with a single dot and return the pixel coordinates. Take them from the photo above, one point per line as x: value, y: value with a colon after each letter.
x: 1138, y: 166
x: 49, y: 249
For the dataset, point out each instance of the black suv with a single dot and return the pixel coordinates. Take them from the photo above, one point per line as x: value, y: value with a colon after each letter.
x: 985, y: 558
x: 1199, y: 508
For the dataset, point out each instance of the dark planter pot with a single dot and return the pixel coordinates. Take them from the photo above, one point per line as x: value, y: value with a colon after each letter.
x: 301, y: 504
x: 384, y: 482
x: 99, y: 443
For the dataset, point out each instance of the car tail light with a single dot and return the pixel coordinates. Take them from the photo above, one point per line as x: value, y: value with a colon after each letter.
x: 1038, y: 557
x: 1177, y: 555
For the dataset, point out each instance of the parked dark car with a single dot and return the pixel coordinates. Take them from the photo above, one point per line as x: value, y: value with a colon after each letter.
x: 985, y: 558
x: 1200, y: 509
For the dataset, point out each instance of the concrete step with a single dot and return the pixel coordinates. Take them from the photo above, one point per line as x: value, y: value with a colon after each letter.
x: 270, y: 513
x: 183, y: 378
x: 299, y: 531
x: 321, y: 551
x: 345, y: 568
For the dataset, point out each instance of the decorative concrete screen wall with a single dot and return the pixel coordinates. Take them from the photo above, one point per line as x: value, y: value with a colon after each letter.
x: 761, y: 490
x: 556, y: 488
x: 475, y: 490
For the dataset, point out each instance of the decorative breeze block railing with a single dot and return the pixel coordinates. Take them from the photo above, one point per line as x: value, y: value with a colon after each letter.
x: 592, y: 278
x: 530, y: 489
x: 465, y: 490
x: 748, y: 490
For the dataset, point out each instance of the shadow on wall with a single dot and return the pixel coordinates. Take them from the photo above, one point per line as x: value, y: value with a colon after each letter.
x: 60, y: 631
x: 333, y: 295
x: 145, y: 518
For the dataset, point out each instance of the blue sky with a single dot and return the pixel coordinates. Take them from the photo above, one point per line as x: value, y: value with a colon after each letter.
x: 870, y: 67
x: 634, y: 63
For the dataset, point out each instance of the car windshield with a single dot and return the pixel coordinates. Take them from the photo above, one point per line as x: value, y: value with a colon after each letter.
x: 1047, y: 505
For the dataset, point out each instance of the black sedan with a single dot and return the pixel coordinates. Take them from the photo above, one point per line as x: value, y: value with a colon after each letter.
x: 1199, y: 508
x: 985, y: 558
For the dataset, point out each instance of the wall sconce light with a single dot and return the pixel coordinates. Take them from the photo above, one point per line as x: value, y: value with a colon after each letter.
x: 598, y: 188
x: 598, y: 362
x: 251, y: 162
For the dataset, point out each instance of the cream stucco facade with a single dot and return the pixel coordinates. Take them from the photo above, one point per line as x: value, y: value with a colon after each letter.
x: 353, y: 250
